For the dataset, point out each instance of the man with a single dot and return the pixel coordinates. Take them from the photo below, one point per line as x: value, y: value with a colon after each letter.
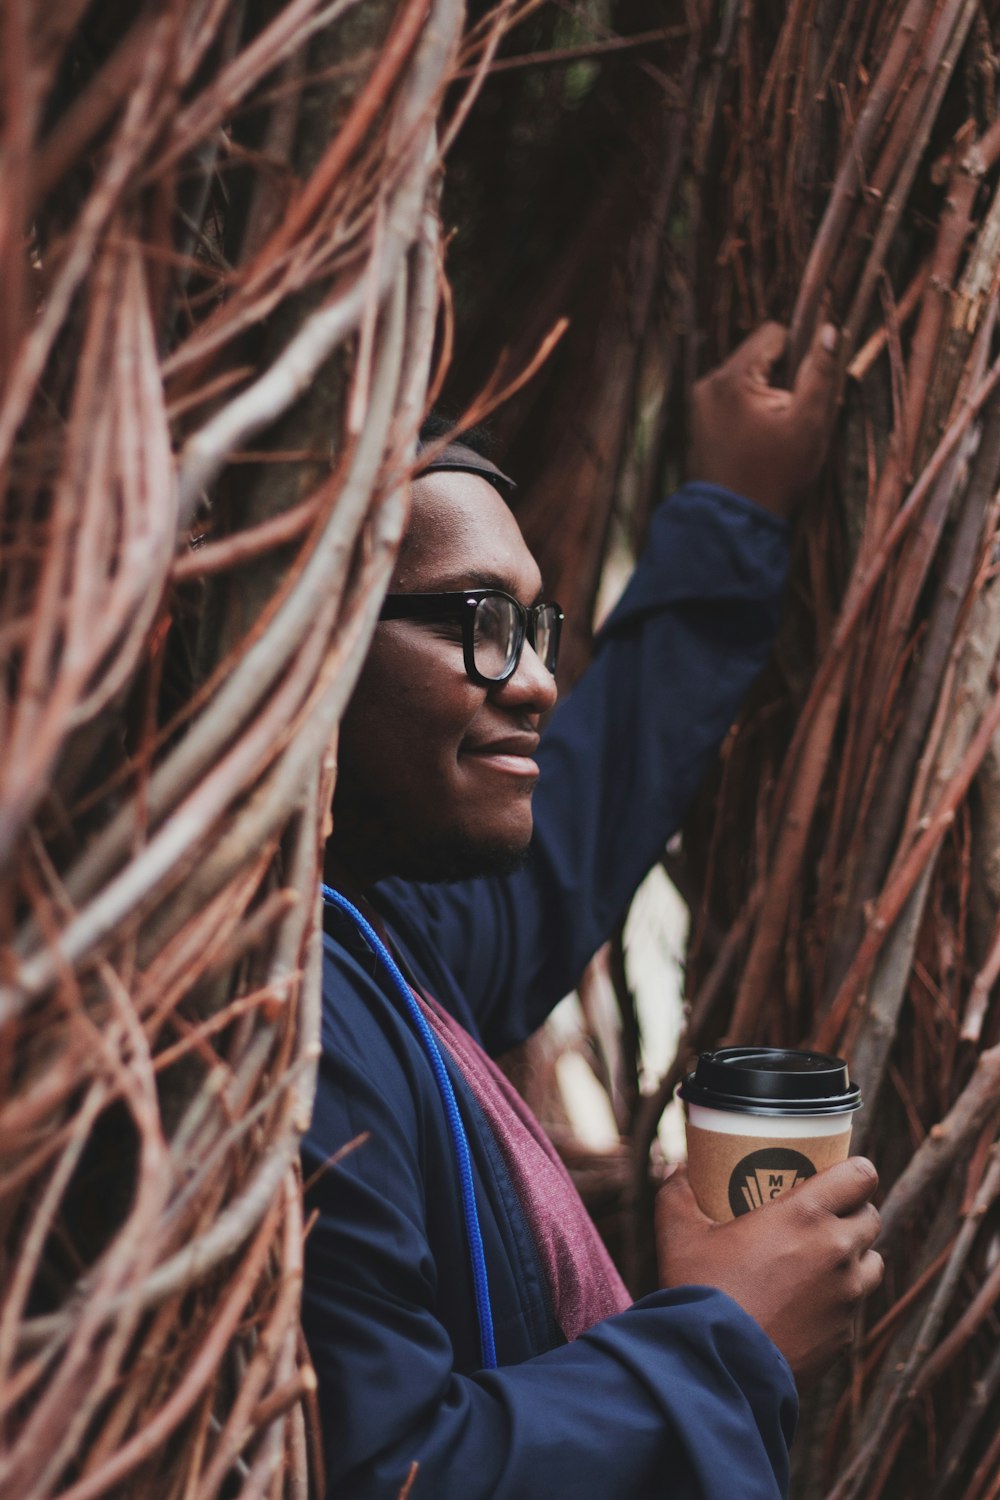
x: 470, y: 1335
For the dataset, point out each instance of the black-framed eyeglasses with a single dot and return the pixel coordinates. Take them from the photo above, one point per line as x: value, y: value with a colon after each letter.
x: 494, y: 627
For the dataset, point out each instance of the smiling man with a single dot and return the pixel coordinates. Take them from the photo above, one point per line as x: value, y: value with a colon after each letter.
x: 436, y: 756
x: 471, y: 1336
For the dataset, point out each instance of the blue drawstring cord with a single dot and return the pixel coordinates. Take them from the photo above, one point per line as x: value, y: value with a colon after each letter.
x: 459, y: 1139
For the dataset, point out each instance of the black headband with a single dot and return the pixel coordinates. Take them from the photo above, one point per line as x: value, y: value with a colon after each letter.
x: 457, y: 458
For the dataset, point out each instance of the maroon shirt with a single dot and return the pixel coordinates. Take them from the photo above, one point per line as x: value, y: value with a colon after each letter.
x: 583, y: 1282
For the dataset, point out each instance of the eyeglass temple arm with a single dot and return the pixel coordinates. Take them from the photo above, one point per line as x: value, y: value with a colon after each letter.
x: 421, y: 606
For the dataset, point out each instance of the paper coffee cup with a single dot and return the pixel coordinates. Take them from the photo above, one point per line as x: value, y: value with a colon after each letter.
x: 762, y: 1119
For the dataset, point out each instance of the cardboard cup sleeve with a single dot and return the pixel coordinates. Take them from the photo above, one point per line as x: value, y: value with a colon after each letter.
x: 733, y: 1174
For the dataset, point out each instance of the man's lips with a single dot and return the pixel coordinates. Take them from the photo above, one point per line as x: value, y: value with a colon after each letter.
x: 512, y: 753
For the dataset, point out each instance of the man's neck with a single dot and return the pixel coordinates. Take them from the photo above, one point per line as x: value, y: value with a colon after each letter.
x: 347, y: 881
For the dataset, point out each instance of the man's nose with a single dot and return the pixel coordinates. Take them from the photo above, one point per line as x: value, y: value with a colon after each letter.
x: 532, y: 686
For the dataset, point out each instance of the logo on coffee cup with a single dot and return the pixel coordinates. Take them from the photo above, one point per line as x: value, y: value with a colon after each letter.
x: 764, y: 1175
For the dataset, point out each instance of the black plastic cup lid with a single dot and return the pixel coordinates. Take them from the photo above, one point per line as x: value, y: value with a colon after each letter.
x: 771, y: 1081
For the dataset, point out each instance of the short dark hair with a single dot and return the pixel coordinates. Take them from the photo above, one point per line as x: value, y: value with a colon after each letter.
x: 437, y: 424
x: 462, y: 450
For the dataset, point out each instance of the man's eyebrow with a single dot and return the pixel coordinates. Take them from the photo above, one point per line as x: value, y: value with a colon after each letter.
x: 478, y: 579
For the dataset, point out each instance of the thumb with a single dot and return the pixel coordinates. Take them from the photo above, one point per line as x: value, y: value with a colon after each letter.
x: 759, y: 352
x: 841, y: 1189
x: 816, y: 381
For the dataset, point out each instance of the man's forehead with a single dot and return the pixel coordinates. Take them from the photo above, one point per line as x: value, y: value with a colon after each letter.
x: 461, y: 534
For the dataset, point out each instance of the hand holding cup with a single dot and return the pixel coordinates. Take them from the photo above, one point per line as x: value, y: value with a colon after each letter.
x: 801, y: 1265
x: 774, y: 1213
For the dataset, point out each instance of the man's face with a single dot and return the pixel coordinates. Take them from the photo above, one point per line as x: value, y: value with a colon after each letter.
x: 436, y: 772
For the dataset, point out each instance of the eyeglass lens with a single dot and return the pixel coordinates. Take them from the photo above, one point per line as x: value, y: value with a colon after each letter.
x: 546, y: 635
x: 498, y: 635
x: 495, y: 635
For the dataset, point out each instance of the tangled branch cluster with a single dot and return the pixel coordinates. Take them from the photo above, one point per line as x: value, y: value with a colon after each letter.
x: 862, y: 917
x: 218, y: 230
x: 803, y: 161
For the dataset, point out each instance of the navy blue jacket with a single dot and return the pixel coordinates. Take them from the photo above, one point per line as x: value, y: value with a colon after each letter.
x: 682, y: 1395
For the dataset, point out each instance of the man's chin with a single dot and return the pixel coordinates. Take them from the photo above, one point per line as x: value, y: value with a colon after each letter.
x: 375, y: 841
x: 463, y: 859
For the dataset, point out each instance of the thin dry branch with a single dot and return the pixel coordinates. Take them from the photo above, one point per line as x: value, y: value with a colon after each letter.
x: 161, y: 815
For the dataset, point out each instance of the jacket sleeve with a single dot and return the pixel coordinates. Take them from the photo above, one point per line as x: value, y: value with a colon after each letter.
x: 620, y: 760
x: 682, y: 1397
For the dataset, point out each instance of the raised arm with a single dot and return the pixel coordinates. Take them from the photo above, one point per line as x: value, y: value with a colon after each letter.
x: 623, y: 756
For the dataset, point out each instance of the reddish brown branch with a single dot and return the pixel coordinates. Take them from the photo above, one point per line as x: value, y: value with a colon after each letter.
x: 890, y: 902
x: 946, y: 1143
x: 849, y: 182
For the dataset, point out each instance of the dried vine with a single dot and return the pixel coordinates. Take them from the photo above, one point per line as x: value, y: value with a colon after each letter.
x: 816, y: 160
x: 221, y: 264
